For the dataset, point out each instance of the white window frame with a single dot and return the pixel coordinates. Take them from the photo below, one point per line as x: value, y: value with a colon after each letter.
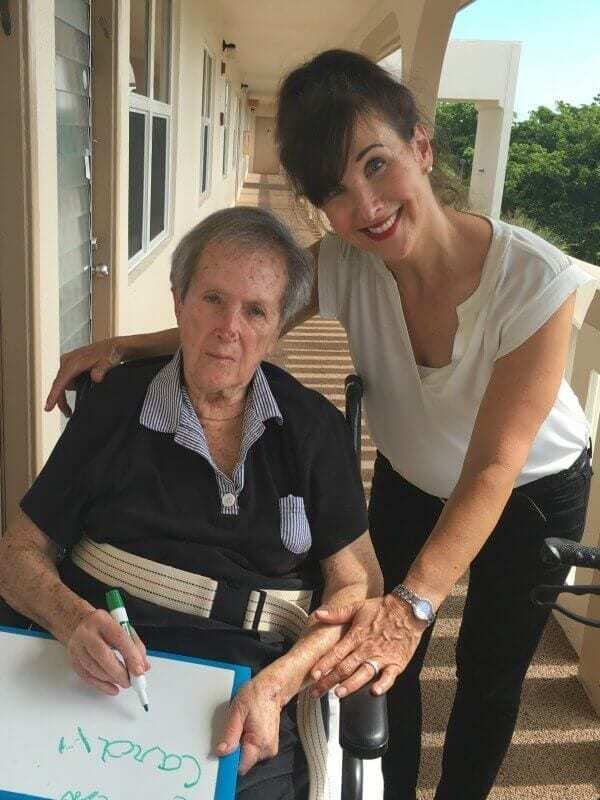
x: 206, y: 121
x: 150, y: 108
x: 226, y: 129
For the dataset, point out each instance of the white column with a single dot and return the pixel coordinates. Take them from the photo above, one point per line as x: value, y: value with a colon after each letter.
x: 489, y: 161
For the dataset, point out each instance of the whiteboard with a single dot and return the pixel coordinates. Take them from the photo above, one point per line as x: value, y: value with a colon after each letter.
x: 63, y: 740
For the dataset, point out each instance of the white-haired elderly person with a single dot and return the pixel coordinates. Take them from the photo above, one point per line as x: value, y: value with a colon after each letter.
x: 209, y: 465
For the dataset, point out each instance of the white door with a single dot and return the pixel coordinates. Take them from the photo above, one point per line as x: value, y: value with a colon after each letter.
x: 265, y: 151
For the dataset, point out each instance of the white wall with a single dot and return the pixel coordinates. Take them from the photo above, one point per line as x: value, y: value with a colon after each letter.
x: 479, y: 71
x: 142, y: 300
x: 143, y: 296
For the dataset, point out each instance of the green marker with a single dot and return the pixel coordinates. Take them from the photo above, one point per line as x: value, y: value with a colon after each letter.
x: 115, y: 604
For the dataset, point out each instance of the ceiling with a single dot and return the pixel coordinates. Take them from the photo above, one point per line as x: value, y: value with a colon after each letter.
x: 273, y: 36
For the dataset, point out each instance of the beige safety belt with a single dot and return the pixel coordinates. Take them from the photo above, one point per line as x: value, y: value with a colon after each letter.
x: 269, y: 610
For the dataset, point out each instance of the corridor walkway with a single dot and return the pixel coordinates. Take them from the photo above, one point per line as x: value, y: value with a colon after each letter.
x: 555, y: 754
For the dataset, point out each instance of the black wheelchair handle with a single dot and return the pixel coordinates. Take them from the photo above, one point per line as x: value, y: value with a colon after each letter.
x: 557, y: 551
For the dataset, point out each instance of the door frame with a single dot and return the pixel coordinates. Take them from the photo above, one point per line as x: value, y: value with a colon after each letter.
x: 17, y: 378
x: 104, y: 127
x: 29, y: 298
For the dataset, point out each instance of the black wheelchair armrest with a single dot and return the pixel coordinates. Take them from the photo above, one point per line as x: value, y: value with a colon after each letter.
x: 354, y: 392
x: 364, y: 724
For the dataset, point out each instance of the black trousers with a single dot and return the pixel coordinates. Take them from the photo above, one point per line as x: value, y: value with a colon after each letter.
x: 500, y: 626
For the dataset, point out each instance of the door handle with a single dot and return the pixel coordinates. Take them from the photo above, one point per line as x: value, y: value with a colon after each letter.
x: 101, y: 270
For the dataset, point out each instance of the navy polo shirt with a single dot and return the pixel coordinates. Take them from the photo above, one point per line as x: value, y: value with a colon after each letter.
x: 132, y: 469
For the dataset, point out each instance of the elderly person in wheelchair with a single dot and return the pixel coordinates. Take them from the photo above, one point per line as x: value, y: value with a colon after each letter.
x: 219, y: 493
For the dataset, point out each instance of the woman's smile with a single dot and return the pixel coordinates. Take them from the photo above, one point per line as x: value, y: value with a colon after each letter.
x: 384, y: 230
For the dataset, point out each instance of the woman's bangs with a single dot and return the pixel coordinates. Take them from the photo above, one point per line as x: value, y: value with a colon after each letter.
x: 323, y: 149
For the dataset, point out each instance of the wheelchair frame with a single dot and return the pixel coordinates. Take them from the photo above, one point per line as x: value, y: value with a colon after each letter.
x: 564, y: 552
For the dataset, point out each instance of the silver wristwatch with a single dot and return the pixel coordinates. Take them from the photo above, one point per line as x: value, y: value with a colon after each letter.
x: 422, y: 608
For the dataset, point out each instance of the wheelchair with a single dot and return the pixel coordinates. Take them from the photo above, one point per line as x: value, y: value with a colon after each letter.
x: 363, y: 726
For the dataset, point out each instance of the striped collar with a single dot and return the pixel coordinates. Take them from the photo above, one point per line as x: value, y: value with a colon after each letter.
x: 165, y: 399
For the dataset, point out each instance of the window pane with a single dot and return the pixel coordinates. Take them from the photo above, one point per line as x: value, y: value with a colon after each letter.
x: 138, y: 46
x: 226, y: 126
x: 209, y: 88
x: 162, y: 49
x: 158, y: 179
x: 137, y: 128
x: 225, y: 145
x: 205, y: 131
x: 206, y: 85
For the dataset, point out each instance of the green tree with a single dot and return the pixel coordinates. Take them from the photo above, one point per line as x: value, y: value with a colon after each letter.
x: 553, y: 170
x: 455, y: 127
x: 553, y: 174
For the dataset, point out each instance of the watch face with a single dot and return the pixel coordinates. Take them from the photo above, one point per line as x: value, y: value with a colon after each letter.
x: 423, y: 610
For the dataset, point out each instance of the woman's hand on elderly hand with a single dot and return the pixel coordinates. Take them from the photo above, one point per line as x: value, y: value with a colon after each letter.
x: 383, y: 630
x: 97, y: 359
x: 91, y: 652
x: 253, y: 720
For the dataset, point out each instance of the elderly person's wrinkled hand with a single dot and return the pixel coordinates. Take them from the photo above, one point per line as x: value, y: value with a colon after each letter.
x: 91, y: 652
x: 253, y: 720
x: 381, y: 640
x: 97, y: 359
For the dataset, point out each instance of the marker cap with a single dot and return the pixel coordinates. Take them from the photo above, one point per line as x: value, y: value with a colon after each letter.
x: 114, y: 599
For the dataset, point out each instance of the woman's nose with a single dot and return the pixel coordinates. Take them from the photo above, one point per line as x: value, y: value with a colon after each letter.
x: 369, y: 207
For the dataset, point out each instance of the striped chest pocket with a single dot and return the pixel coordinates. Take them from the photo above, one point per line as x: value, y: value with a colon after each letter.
x: 294, y: 526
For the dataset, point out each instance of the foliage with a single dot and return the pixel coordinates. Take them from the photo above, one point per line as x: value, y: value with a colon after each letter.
x: 455, y: 127
x: 522, y: 220
x: 553, y: 171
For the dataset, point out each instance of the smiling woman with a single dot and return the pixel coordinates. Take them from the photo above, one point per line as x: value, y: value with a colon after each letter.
x: 459, y: 326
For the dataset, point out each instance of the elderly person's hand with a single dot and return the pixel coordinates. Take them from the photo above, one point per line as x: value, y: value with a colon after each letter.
x: 100, y: 357
x: 97, y: 359
x: 91, y: 652
x: 253, y: 720
x: 382, y: 638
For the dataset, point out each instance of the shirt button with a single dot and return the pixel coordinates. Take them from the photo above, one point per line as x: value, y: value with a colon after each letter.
x: 228, y: 500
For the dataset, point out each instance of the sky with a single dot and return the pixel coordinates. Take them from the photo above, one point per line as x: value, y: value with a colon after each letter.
x: 560, y: 51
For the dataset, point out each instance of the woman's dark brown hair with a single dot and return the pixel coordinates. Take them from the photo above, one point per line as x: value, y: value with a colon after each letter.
x: 319, y: 103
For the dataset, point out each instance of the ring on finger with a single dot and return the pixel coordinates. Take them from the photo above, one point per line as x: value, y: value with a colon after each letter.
x: 370, y: 662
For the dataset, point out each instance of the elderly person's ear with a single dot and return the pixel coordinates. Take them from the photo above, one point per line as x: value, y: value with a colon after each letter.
x: 176, y: 303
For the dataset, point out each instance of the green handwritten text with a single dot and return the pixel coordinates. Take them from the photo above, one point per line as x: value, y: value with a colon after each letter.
x: 111, y: 749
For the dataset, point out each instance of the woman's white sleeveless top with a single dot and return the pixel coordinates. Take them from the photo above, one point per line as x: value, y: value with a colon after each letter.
x: 421, y: 418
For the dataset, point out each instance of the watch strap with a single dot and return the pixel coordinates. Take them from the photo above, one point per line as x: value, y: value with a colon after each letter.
x: 413, y: 600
